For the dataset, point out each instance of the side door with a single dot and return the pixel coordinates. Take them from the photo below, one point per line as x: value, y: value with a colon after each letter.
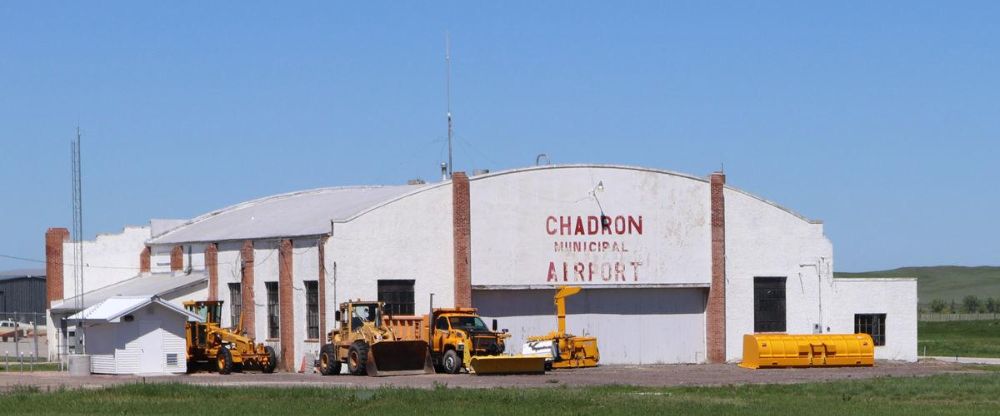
x: 441, y: 329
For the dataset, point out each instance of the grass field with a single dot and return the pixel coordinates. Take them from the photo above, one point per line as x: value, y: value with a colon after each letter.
x: 942, y: 395
x: 959, y: 338
x: 15, y: 367
x: 945, y: 282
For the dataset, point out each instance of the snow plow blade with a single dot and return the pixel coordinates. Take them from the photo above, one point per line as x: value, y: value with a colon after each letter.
x: 507, y: 364
x: 397, y: 358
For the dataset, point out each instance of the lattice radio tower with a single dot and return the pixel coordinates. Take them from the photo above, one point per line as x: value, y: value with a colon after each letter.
x: 78, y: 236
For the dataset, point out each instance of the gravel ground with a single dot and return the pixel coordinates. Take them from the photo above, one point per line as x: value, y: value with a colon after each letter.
x: 653, y: 375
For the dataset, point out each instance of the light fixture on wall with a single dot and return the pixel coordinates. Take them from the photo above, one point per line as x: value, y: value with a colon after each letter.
x: 593, y: 193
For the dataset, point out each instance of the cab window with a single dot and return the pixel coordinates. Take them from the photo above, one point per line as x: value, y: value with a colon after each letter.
x: 442, y: 323
x: 362, y: 314
x: 468, y: 323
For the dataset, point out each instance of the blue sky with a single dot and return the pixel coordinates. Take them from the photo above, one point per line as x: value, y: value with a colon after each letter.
x: 880, y: 119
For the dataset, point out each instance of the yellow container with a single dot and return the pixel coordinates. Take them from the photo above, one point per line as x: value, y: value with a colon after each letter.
x: 507, y: 364
x: 820, y: 350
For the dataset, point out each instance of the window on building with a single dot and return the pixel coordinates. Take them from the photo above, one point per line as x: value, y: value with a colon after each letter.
x: 272, y: 309
x: 312, y: 309
x: 397, y: 296
x: 769, y: 304
x: 872, y: 324
x: 235, y: 304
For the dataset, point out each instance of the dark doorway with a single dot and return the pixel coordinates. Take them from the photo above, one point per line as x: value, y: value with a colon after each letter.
x: 769, y: 304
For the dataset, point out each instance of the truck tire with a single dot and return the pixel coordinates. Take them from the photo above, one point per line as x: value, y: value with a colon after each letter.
x: 272, y: 360
x: 328, y: 363
x: 450, y: 362
x: 357, y: 358
x: 224, y: 361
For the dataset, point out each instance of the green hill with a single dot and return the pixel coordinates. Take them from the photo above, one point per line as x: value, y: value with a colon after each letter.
x: 945, y: 282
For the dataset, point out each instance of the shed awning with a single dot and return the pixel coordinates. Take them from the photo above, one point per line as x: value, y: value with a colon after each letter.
x: 144, y: 285
x: 113, y: 309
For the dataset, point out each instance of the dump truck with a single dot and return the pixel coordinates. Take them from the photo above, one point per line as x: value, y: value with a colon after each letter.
x: 226, y: 349
x: 561, y: 349
x: 459, y: 339
x: 368, y: 346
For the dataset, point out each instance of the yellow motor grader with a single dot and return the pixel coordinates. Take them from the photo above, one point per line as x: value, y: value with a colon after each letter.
x: 368, y: 346
x: 226, y: 349
x: 561, y: 349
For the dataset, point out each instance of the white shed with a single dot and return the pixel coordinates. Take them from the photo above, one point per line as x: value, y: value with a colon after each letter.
x: 135, y: 335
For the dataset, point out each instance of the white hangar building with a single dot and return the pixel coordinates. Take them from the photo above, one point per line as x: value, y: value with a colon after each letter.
x: 675, y: 268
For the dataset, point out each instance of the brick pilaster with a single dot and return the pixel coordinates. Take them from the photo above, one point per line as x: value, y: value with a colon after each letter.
x: 145, y: 260
x: 286, y: 311
x: 462, y: 226
x: 54, y: 239
x: 715, y: 334
x: 176, y: 258
x: 321, y: 283
x: 212, y: 265
x: 248, y: 311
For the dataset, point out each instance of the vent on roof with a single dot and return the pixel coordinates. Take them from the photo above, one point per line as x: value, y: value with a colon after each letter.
x: 416, y: 181
x: 478, y: 172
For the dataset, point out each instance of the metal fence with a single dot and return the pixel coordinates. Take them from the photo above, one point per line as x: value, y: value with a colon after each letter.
x: 22, y: 339
x: 944, y: 317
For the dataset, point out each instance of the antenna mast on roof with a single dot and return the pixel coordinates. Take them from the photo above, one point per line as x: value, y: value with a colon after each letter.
x: 447, y: 63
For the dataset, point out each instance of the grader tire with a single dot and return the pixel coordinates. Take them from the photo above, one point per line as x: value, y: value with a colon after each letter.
x: 451, y: 363
x: 192, y: 366
x: 272, y: 360
x: 328, y: 363
x: 224, y: 361
x: 357, y: 358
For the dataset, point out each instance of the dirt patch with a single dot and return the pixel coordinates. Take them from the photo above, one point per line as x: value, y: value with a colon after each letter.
x: 654, y: 375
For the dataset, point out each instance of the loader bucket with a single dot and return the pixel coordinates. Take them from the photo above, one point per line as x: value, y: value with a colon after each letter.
x: 393, y: 358
x: 507, y: 364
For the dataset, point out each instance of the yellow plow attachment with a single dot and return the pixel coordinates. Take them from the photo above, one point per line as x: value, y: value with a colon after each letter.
x: 395, y: 358
x: 506, y: 364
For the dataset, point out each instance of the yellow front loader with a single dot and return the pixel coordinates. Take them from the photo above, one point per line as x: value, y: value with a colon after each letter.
x: 226, y: 350
x: 368, y: 346
x: 564, y: 350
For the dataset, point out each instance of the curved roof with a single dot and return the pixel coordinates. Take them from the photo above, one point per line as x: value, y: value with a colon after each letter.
x: 643, y: 169
x: 296, y: 214
x: 309, y: 213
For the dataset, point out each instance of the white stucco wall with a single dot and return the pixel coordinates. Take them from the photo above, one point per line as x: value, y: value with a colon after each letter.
x: 897, y: 298
x: 193, y: 258
x: 159, y: 258
x: 108, y: 259
x: 305, y: 267
x: 265, y: 269
x: 763, y: 240
x: 230, y: 263
x: 526, y: 224
x: 410, y: 238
